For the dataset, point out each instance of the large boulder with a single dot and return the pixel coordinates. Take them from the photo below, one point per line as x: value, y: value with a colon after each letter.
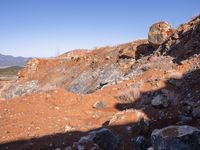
x: 176, y: 138
x: 159, y: 32
x: 103, y: 138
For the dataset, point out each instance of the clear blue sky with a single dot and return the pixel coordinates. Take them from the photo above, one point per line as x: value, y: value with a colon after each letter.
x: 42, y: 27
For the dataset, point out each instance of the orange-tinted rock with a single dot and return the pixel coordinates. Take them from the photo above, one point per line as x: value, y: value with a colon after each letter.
x: 74, y: 54
x: 159, y: 32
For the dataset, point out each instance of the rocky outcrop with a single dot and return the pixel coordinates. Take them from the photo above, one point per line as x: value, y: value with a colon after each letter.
x: 79, y: 71
x: 159, y: 32
x: 175, y: 138
x: 184, y: 42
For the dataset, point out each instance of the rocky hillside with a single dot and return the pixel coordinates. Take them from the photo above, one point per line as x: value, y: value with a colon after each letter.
x: 139, y: 95
x: 7, y: 61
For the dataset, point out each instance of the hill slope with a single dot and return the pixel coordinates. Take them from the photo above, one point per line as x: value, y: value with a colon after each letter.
x: 128, y: 90
x: 7, y: 61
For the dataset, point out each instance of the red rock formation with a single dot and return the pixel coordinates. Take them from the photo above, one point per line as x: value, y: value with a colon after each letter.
x: 53, y: 99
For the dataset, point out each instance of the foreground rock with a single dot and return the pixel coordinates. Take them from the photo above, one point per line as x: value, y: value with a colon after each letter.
x: 160, y: 101
x: 159, y: 32
x: 103, y: 138
x: 176, y: 138
x: 142, y: 143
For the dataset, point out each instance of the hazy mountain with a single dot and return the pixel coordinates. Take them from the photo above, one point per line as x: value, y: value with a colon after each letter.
x: 7, y: 61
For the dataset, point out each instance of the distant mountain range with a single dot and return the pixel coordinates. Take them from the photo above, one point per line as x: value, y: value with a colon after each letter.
x: 7, y: 61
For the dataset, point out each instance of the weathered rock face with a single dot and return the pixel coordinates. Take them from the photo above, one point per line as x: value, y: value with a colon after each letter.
x: 79, y: 71
x: 184, y: 42
x: 159, y: 32
x: 176, y: 138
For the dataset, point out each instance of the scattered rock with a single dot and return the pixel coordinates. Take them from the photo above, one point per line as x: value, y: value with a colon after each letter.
x: 69, y: 128
x: 150, y: 148
x: 176, y: 138
x: 187, y: 108
x: 103, y: 138
x: 68, y: 148
x: 185, y: 119
x: 107, y: 140
x: 160, y: 101
x: 196, y: 112
x: 141, y: 127
x: 141, y: 143
x: 99, y: 105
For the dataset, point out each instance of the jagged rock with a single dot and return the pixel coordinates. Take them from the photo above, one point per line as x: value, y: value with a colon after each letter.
x: 141, y: 127
x: 185, y: 119
x: 196, y: 112
x: 107, y: 140
x: 159, y: 32
x: 99, y: 105
x: 142, y: 143
x: 68, y: 148
x: 89, y: 81
x: 127, y: 53
x: 28, y: 87
x: 187, y: 107
x: 184, y: 42
x: 104, y: 138
x: 150, y: 148
x: 160, y: 101
x: 176, y: 138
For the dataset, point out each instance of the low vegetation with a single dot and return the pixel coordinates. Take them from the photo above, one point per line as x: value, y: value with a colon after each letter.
x: 10, y: 71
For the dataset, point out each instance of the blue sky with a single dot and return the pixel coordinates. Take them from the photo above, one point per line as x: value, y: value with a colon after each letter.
x: 43, y: 28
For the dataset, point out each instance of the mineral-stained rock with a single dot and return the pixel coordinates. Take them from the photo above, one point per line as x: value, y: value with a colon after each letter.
x: 159, y: 32
x: 28, y: 87
x: 184, y: 42
x: 176, y: 138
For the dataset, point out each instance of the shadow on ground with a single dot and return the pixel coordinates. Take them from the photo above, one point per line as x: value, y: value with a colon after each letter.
x: 176, y: 90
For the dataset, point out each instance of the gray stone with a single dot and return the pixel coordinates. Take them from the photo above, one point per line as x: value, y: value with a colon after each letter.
x: 99, y: 105
x: 176, y: 138
x: 107, y: 140
x: 196, y: 112
x: 103, y: 138
x: 141, y: 143
x: 160, y: 101
x: 21, y: 90
x: 185, y: 119
x: 150, y: 148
